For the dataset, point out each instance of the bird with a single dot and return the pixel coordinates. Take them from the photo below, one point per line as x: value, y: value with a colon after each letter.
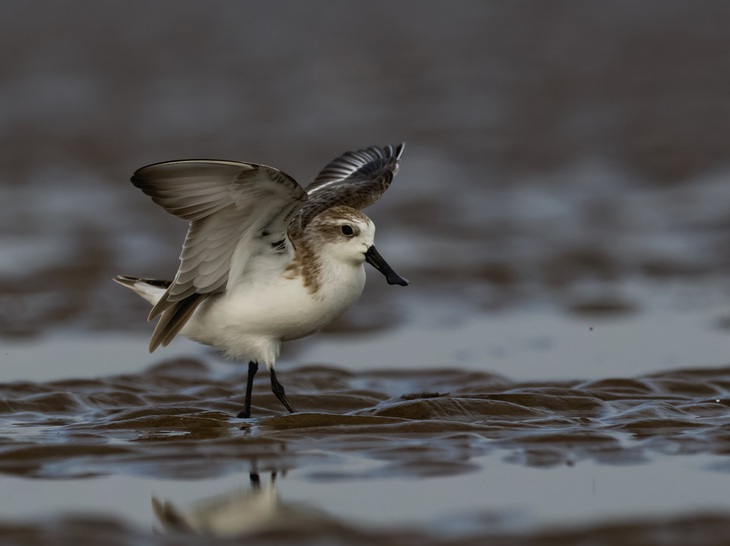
x: 264, y: 260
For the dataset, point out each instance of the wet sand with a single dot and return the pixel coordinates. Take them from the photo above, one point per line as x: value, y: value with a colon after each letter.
x: 556, y: 374
x: 436, y: 456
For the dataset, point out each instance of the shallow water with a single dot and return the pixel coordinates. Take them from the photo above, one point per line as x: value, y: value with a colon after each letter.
x: 454, y: 453
x: 556, y: 374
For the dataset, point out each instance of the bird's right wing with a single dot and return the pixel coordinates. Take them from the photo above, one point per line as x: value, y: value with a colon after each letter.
x: 228, y: 205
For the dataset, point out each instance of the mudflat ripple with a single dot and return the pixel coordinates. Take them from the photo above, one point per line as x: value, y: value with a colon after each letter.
x: 164, y: 420
x: 175, y: 421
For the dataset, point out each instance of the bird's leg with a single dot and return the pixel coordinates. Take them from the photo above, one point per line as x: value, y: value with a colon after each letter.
x: 253, y: 367
x: 278, y: 390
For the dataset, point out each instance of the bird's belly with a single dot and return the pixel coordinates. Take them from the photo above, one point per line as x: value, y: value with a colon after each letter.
x: 254, y: 317
x: 307, y: 314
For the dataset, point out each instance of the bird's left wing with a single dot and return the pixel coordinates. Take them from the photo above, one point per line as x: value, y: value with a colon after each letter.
x: 355, y: 179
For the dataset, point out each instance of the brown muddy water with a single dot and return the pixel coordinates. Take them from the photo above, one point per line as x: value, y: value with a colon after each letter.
x: 558, y: 372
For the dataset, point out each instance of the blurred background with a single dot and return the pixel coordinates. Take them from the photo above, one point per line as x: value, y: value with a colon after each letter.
x: 559, y: 154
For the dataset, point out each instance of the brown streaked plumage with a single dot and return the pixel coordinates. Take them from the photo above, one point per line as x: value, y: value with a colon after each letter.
x: 306, y: 261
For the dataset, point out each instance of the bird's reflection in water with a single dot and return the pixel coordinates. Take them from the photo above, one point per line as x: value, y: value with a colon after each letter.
x: 245, y: 511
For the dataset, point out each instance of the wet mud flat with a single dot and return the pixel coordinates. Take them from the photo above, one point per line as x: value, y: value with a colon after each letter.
x: 377, y: 457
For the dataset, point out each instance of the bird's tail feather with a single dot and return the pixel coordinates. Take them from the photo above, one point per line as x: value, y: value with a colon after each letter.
x: 149, y: 289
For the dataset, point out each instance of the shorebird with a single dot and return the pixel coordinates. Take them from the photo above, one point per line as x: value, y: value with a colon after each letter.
x: 264, y: 260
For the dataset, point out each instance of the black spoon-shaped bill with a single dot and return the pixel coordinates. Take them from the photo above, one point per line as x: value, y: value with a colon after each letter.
x: 374, y: 258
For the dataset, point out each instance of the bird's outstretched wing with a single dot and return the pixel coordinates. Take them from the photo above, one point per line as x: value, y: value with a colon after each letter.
x: 355, y: 179
x: 228, y: 205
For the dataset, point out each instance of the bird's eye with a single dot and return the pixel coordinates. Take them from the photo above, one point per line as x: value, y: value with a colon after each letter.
x: 347, y: 230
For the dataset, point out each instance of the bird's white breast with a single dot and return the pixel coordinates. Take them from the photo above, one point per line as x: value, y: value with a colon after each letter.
x: 251, y: 320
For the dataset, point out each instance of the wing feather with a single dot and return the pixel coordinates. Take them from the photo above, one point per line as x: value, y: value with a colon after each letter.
x: 228, y: 205
x: 355, y: 179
